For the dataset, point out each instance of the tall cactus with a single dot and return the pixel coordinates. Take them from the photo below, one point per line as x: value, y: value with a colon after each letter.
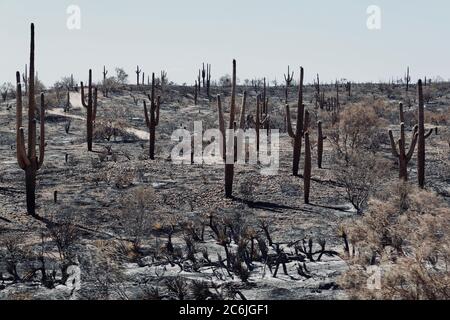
x: 242, y: 115
x: 25, y: 79
x: 29, y: 162
x: 195, y: 93
x: 227, y: 143
x: 288, y: 78
x: 307, y: 167
x: 320, y: 139
x: 208, y: 80
x: 298, y: 135
x: 407, y: 79
x: 91, y: 108
x: 138, y: 72
x: 422, y: 138
x: 152, y: 121
x: 105, y: 73
x: 403, y: 156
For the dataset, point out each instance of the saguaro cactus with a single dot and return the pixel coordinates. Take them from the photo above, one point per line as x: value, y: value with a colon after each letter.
x: 422, y: 138
x: 320, y: 139
x: 298, y: 135
x: 138, y: 72
x: 401, y: 154
x: 91, y: 108
x: 288, y: 78
x: 228, y: 143
x: 163, y: 79
x: 259, y: 123
x: 152, y: 121
x: 25, y: 79
x: 105, y: 73
x: 407, y: 79
x: 29, y: 162
x: 204, y: 75
x: 242, y: 115
x: 195, y: 93
x: 348, y: 87
x: 208, y: 80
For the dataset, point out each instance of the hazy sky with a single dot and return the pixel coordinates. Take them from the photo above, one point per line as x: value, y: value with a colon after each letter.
x: 329, y: 37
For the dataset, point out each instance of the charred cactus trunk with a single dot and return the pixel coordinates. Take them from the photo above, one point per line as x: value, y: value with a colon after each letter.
x: 28, y: 161
x: 320, y: 139
x: 298, y: 135
x: 307, y: 169
x: 91, y: 109
x: 152, y: 121
x: 228, y: 139
x: 401, y: 154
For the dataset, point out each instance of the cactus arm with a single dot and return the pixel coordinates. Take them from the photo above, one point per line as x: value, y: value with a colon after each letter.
x: 289, y: 124
x: 21, y: 152
x: 94, y: 108
x: 83, y: 101
x: 42, y: 133
x: 221, y: 118
x: 20, y: 141
x: 233, y: 98
x: 221, y: 125
x: 147, y: 120
x: 300, y: 106
x: 393, y: 145
x: 412, y: 147
x: 158, y: 106
x: 242, y: 117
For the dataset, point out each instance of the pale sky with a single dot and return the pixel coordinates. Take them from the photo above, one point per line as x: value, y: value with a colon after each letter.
x: 329, y: 37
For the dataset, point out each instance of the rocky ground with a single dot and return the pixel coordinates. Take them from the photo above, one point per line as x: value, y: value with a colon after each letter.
x: 100, y: 193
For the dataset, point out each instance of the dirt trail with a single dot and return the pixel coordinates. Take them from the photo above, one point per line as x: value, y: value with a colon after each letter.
x: 75, y: 101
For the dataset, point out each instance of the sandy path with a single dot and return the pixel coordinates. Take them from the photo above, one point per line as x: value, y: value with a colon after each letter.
x: 75, y: 101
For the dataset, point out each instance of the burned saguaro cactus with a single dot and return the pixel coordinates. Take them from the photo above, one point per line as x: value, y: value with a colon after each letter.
x: 105, y: 73
x: 298, y: 135
x: 407, y: 79
x: 320, y: 139
x: 288, y: 78
x: 25, y: 79
x: 152, y: 121
x: 258, y: 122
x: 195, y: 93
x: 138, y: 72
x: 29, y: 162
x: 401, y: 154
x: 208, y: 81
x: 163, y: 79
x: 422, y: 137
x: 91, y: 109
x: 348, y: 87
x: 228, y: 154
x: 243, y: 110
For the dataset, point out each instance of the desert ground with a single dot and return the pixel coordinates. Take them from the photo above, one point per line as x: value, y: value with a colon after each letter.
x: 136, y: 228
